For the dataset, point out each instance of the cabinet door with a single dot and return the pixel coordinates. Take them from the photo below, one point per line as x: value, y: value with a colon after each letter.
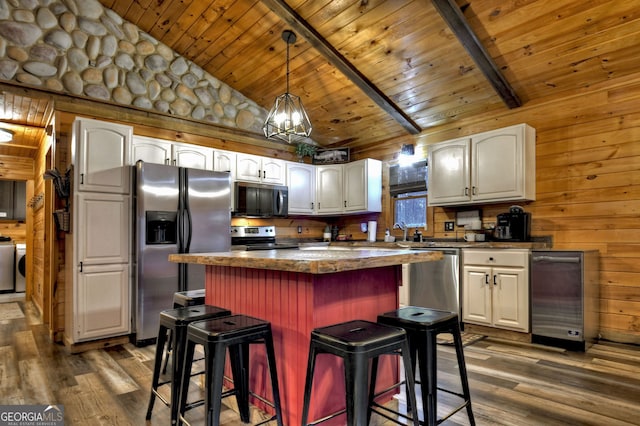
x: 510, y: 298
x: 193, y: 157
x: 248, y: 168
x: 448, y: 178
x: 102, y: 308
x: 476, y: 295
x: 301, y: 180
x: 102, y: 228
x: 355, y: 186
x: 497, y: 159
x: 225, y: 161
x: 329, y: 189
x: 151, y: 150
x: 273, y: 171
x: 363, y: 186
x: 103, y: 152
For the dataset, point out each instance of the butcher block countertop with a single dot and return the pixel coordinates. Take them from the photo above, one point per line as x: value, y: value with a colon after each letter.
x: 312, y: 260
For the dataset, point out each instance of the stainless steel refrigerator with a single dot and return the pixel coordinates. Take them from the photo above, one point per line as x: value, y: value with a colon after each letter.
x: 177, y: 210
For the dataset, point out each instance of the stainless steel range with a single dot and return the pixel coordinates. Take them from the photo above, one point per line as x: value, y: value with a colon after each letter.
x: 257, y: 238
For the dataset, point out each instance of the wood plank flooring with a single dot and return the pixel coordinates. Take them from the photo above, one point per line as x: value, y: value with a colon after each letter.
x: 511, y: 383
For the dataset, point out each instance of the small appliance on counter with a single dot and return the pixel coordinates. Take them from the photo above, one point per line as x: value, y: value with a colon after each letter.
x: 514, y: 225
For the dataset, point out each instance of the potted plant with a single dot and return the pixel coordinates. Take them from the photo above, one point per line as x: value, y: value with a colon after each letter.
x: 305, y: 149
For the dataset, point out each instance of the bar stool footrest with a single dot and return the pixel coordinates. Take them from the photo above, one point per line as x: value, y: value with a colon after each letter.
x: 376, y: 408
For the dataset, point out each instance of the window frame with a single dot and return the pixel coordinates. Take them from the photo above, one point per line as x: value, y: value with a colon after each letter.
x: 426, y: 232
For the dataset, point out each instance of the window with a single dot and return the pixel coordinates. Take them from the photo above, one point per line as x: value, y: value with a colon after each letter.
x: 408, y: 190
x: 411, y: 208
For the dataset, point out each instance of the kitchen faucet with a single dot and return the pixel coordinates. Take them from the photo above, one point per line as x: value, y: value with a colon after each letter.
x: 402, y: 226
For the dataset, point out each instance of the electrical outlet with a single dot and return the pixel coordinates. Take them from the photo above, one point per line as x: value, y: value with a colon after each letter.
x: 448, y: 226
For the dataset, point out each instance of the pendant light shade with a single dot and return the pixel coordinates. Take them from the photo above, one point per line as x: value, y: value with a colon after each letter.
x: 287, y: 120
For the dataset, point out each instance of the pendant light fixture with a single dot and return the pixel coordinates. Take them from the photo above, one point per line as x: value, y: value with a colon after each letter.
x: 287, y: 120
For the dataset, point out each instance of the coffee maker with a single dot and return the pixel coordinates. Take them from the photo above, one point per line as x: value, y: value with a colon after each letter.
x: 514, y: 225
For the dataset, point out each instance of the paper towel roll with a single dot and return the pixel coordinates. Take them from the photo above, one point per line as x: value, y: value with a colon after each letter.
x: 371, y: 233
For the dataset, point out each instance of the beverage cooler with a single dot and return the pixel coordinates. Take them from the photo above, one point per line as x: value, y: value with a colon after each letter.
x: 564, y: 298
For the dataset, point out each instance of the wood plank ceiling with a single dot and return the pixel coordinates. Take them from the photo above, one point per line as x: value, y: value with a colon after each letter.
x: 404, y: 50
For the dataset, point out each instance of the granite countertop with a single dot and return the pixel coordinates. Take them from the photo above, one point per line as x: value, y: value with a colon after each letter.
x: 444, y: 243
x: 320, y: 260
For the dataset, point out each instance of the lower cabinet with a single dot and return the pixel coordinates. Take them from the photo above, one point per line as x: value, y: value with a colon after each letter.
x: 102, y: 302
x: 495, y: 288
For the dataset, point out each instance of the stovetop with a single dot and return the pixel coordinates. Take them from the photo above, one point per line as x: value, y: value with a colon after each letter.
x: 257, y: 238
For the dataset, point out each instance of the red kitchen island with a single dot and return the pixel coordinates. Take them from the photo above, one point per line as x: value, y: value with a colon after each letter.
x: 297, y: 291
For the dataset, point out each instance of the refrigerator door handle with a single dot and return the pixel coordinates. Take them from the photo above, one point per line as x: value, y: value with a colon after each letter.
x: 554, y: 259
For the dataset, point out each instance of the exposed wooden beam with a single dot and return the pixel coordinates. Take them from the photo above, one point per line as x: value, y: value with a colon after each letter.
x: 453, y: 16
x: 302, y: 27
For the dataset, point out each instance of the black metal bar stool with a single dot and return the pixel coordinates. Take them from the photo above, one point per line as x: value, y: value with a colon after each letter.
x: 234, y: 333
x: 173, y: 326
x: 188, y: 298
x: 422, y: 326
x: 182, y: 299
x: 357, y: 342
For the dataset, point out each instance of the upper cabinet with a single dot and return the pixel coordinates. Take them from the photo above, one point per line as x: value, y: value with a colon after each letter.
x: 102, y: 151
x: 158, y: 151
x: 495, y: 166
x: 253, y: 168
x: 354, y: 187
x: 192, y: 156
x: 301, y: 180
x: 151, y: 150
x: 225, y: 161
x: 363, y: 186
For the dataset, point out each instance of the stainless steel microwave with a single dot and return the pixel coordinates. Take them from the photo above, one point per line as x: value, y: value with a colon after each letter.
x: 258, y: 200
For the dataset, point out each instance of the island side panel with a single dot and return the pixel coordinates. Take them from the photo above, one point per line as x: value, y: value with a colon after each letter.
x: 295, y: 304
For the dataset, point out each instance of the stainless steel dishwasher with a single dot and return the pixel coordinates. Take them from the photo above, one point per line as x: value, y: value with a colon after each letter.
x: 436, y: 284
x: 564, y: 298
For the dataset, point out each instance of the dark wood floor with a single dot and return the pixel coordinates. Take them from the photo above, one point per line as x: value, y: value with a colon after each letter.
x: 511, y: 383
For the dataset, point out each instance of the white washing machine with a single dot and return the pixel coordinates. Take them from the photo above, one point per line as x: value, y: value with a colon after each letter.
x: 21, y: 267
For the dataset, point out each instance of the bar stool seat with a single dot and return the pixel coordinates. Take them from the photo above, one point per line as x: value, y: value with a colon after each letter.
x: 182, y: 299
x: 173, y: 326
x: 422, y: 326
x: 233, y: 333
x: 357, y: 342
x: 188, y: 298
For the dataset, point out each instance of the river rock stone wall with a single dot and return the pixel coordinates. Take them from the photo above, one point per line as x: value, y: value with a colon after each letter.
x: 81, y: 48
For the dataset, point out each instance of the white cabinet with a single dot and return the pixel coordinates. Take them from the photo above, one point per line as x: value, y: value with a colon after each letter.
x: 495, y: 288
x: 101, y: 153
x: 301, y: 180
x: 102, y: 302
x: 495, y: 166
x: 254, y: 168
x: 151, y: 150
x: 349, y: 188
x: 363, y: 186
x: 159, y: 151
x: 103, y: 221
x: 98, y: 300
x: 329, y: 189
x: 225, y: 161
x: 192, y: 156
